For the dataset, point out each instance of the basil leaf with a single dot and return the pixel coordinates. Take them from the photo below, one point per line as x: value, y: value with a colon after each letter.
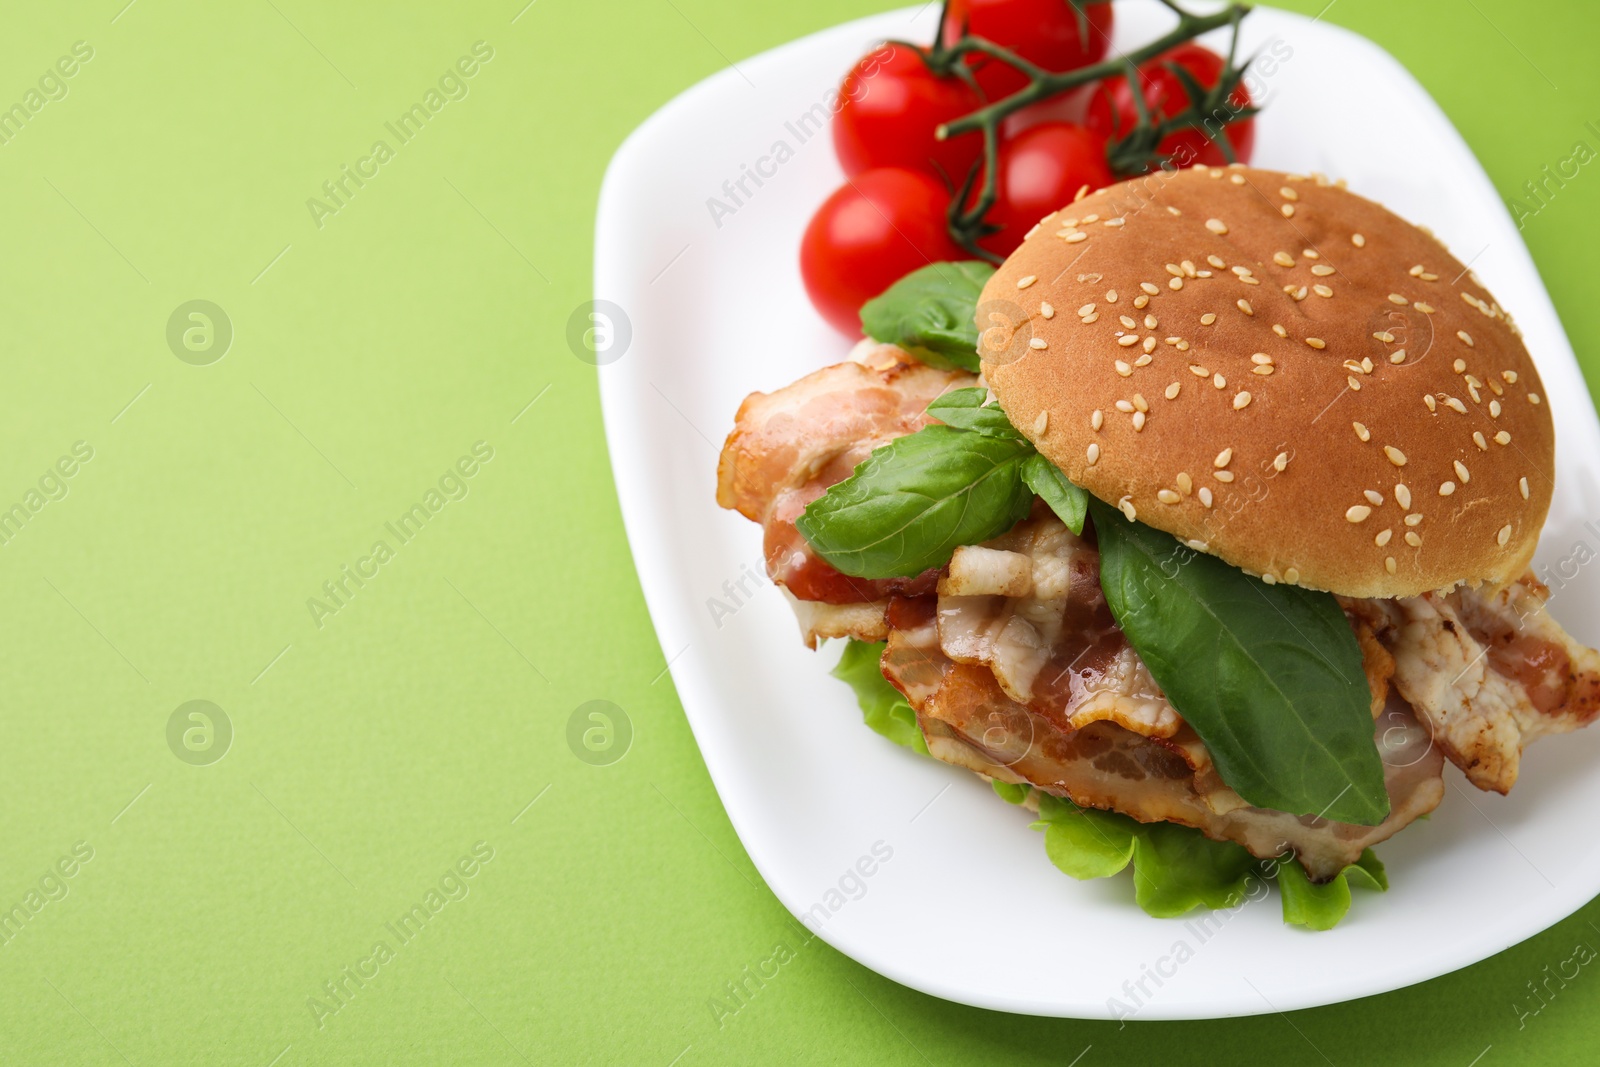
x: 963, y: 409
x: 1069, y: 502
x: 1269, y: 676
x: 883, y: 707
x: 914, y: 500
x: 1320, y: 907
x: 932, y: 313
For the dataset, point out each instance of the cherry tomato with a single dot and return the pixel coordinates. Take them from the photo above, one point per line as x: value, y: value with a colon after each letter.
x: 890, y: 105
x: 1112, y: 110
x: 1041, y: 170
x: 1044, y: 32
x: 876, y: 228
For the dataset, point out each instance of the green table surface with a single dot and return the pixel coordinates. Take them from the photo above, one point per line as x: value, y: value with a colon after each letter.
x: 403, y: 740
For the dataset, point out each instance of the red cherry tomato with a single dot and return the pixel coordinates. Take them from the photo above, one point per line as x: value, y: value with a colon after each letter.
x: 890, y: 105
x: 1041, y: 170
x: 1044, y: 32
x: 1112, y: 111
x: 876, y: 228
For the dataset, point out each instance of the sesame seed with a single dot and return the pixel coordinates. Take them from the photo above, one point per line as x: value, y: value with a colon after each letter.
x: 1205, y: 496
x: 1138, y: 421
x: 1125, y: 406
x: 1150, y: 322
x: 1494, y: 409
x: 1241, y: 400
x: 1416, y: 272
x: 1383, y: 538
x: 1188, y: 268
x: 1288, y: 193
x: 1510, y: 376
x: 1216, y: 226
x: 1240, y: 271
x: 1172, y: 391
x: 1269, y: 578
x: 1316, y: 342
x: 1174, y: 270
x: 1288, y: 211
x: 1292, y: 576
x: 1402, y: 496
x: 1087, y: 309
x: 1182, y: 346
x: 1199, y: 371
x: 1219, y: 381
x: 1128, y: 340
x: 1237, y: 179
x: 1361, y: 431
x: 1280, y: 462
x: 1207, y: 319
x: 1300, y: 293
x: 1385, y: 336
x: 1093, y: 453
x: 1144, y: 360
x: 1389, y: 565
x: 1097, y: 419
x: 1024, y: 282
x: 1074, y: 238
x: 1462, y: 472
x: 1087, y: 219
x: 1129, y: 321
x: 1398, y: 356
x: 1413, y: 539
x: 1459, y: 366
x: 1216, y: 261
x: 1283, y: 259
x: 1140, y: 403
x: 1413, y: 520
x: 1279, y: 330
x: 1396, y: 298
x: 1141, y: 301
x: 1522, y: 486
x: 1447, y: 488
x: 1150, y: 344
x: 1477, y: 439
x: 1466, y: 338
x: 1264, y: 370
x: 1223, y: 476
x: 1358, y: 240
x: 1261, y: 357
x: 1223, y: 458
x: 1358, y: 513
x: 1185, y: 483
x: 1502, y: 438
x: 1366, y: 364
x: 1454, y: 404
x: 1042, y: 423
x: 1038, y: 343
x: 1047, y: 311
x: 1126, y: 504
x: 1091, y: 318
x: 1111, y: 296
x: 1533, y: 398
x: 1322, y: 291
x: 1354, y: 383
x: 1176, y: 283
x: 1397, y: 457
x: 1374, y: 497
x: 1244, y: 306
x: 1426, y: 309
x: 1167, y: 496
x: 1504, y: 535
x: 1116, y: 222
x: 1322, y: 270
x: 1433, y: 405
x: 1153, y: 290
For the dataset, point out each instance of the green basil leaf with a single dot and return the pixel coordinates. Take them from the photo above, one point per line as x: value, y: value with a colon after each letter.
x: 932, y: 313
x: 963, y: 409
x: 884, y: 707
x: 1069, y: 502
x: 1320, y: 907
x: 914, y: 500
x: 1269, y: 676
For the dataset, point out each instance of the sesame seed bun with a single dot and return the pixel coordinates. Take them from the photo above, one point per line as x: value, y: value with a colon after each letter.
x: 1280, y: 373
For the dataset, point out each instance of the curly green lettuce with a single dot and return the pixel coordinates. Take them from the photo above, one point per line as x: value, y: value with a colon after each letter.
x: 1175, y: 868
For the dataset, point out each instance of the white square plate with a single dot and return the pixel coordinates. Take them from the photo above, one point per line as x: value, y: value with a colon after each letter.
x: 966, y: 906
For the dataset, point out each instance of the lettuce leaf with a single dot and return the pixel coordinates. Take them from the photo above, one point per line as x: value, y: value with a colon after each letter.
x: 1175, y: 868
x: 883, y: 707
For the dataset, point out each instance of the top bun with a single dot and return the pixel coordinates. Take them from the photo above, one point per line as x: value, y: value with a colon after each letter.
x: 1280, y: 373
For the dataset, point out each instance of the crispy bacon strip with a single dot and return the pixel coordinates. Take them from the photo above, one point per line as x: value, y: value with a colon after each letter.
x: 789, y: 446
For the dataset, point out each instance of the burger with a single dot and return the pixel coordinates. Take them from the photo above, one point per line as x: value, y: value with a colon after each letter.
x: 1201, y: 526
